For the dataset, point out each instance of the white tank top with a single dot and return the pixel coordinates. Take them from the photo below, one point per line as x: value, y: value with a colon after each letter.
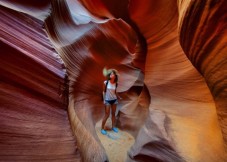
x: 110, y: 91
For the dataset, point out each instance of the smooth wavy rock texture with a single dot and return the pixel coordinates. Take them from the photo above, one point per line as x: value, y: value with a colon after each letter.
x: 171, y: 57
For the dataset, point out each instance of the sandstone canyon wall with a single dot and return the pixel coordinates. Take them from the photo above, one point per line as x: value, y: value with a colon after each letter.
x: 34, y: 120
x: 171, y: 56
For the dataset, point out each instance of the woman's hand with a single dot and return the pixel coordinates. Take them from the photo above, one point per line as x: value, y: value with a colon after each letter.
x: 120, y: 98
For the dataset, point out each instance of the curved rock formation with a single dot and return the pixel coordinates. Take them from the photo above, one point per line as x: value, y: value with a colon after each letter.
x: 34, y: 121
x: 203, y: 31
x: 172, y: 78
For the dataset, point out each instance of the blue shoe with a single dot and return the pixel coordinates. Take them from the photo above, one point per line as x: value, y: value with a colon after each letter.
x: 104, y: 132
x: 115, y: 129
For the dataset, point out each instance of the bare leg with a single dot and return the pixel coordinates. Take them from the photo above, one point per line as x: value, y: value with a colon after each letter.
x: 107, y: 113
x: 114, y: 106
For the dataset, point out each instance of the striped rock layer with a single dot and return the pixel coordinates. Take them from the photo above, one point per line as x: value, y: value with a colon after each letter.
x: 171, y: 57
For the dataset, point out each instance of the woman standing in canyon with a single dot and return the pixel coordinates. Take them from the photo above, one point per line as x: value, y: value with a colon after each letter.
x: 110, y: 98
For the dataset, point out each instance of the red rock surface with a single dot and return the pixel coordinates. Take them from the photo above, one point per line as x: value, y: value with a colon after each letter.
x: 34, y: 121
x: 171, y: 56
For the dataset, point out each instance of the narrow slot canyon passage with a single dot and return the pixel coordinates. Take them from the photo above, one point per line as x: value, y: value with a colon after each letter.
x: 171, y: 58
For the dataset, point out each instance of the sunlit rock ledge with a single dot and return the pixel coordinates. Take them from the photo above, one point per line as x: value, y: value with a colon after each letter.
x: 171, y: 57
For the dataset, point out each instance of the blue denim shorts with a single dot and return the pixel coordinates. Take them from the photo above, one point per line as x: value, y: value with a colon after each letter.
x: 111, y: 102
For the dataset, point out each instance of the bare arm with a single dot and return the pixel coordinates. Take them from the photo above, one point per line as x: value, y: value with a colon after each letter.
x: 118, y: 96
x: 103, y: 91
